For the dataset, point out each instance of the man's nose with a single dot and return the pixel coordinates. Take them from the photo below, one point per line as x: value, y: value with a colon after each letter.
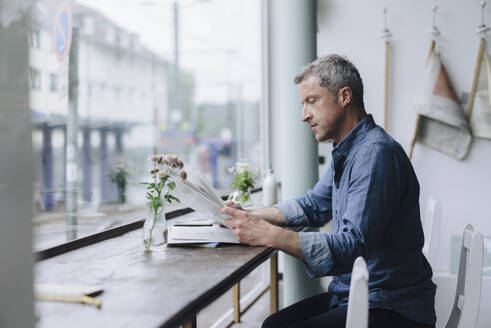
x: 306, y: 115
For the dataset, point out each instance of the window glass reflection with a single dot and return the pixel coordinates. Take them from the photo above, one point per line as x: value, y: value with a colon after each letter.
x: 176, y: 77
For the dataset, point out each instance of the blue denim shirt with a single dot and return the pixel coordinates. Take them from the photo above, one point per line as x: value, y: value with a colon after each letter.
x: 372, y: 195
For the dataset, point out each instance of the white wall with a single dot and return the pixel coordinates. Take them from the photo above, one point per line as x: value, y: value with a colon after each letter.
x: 352, y: 28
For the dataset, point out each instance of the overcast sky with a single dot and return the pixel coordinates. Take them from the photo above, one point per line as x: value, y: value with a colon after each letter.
x: 219, y: 40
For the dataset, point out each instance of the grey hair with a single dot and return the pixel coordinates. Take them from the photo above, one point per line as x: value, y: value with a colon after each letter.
x: 334, y: 72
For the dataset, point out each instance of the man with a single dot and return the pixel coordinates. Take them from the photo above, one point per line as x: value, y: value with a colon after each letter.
x: 370, y: 192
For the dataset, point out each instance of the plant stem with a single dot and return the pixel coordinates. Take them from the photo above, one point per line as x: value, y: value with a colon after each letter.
x: 154, y: 217
x: 151, y: 229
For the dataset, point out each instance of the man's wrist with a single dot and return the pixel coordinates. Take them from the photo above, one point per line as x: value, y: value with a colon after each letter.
x: 270, y: 214
x: 285, y: 240
x: 278, y: 235
x: 273, y: 236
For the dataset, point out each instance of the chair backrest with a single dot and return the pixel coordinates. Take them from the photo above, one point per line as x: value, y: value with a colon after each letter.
x: 468, y: 294
x: 357, y: 316
x: 432, y: 231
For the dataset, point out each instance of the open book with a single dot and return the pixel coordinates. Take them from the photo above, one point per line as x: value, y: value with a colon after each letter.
x: 195, y: 192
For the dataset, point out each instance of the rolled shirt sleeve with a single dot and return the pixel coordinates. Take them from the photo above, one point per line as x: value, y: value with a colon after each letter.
x: 293, y: 212
x: 312, y: 209
x: 316, y: 253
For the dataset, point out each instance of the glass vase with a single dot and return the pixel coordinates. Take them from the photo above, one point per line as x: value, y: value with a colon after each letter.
x: 241, y: 198
x: 155, y: 228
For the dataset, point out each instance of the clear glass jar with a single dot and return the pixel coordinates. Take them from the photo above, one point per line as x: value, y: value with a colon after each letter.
x: 155, y: 228
x: 239, y: 197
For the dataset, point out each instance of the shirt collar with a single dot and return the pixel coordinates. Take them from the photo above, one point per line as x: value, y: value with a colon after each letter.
x: 354, y: 137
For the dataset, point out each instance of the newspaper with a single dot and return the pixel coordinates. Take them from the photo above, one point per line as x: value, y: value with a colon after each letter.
x: 195, y: 192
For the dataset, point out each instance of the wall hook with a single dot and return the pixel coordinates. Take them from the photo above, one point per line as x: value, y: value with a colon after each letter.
x: 482, y: 29
x: 434, y: 31
x: 385, y: 34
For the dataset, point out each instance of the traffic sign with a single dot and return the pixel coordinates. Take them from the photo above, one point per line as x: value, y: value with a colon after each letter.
x: 62, y: 31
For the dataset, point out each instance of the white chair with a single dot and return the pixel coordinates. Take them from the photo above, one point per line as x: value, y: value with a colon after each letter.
x: 432, y: 231
x: 357, y: 316
x: 469, y: 280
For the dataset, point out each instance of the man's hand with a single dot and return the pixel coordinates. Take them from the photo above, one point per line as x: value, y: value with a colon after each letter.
x: 232, y: 204
x: 249, y: 228
x: 269, y: 214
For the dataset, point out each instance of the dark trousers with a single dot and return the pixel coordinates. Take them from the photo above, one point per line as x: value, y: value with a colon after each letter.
x: 316, y: 312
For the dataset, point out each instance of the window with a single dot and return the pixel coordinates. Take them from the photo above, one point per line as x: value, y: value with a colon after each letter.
x: 34, y: 37
x: 34, y: 78
x: 137, y: 99
x: 88, y: 25
x: 53, y: 82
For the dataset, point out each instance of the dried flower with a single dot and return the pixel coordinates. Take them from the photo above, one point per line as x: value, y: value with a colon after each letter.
x: 171, y: 160
x: 163, y: 179
x: 161, y: 174
x: 159, y: 190
x: 155, y: 158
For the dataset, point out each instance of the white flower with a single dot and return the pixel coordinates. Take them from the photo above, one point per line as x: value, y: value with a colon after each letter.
x: 242, y: 167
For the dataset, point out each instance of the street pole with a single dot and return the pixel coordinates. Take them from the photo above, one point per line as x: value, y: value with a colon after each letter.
x: 176, y: 96
x: 155, y: 124
x: 72, y: 140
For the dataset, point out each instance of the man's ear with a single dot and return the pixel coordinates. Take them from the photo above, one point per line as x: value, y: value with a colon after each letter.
x: 345, y: 96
